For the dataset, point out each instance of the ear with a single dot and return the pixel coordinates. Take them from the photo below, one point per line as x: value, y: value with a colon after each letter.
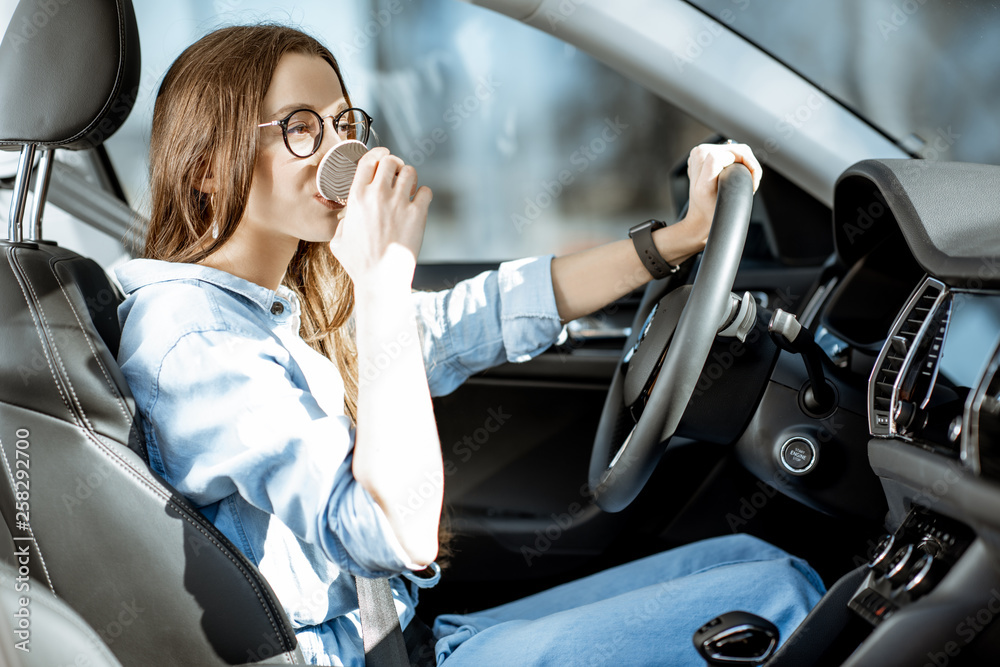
x: 203, y: 181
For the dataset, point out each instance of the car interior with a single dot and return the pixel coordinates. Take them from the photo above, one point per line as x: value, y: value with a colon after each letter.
x: 830, y: 372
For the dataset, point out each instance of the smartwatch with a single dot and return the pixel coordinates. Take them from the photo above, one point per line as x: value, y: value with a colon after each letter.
x: 642, y: 239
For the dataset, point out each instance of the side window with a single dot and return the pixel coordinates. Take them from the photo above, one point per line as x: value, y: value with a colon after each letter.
x: 530, y: 146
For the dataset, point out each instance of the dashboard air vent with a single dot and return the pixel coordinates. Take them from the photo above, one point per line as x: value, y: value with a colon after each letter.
x: 898, y: 347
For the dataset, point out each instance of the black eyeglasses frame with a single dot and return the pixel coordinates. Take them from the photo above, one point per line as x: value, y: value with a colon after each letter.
x: 283, y: 124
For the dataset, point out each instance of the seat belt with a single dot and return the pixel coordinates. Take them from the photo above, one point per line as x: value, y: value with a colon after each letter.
x: 380, y: 631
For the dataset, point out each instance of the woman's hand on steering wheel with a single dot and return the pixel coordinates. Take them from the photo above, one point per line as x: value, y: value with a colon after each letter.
x: 618, y: 470
x: 705, y: 163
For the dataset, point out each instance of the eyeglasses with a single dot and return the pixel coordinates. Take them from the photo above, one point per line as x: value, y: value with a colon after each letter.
x: 303, y: 129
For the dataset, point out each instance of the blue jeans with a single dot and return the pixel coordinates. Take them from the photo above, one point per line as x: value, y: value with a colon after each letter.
x: 640, y: 613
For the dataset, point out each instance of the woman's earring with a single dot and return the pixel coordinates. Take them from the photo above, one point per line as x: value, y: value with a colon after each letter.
x: 215, y: 222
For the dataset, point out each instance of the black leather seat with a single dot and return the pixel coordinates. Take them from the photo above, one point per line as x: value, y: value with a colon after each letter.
x: 56, y: 634
x: 154, y: 579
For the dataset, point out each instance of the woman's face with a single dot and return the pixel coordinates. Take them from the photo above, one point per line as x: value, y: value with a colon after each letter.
x: 283, y: 199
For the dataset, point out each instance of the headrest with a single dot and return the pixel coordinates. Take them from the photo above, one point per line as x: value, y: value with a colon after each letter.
x: 69, y: 72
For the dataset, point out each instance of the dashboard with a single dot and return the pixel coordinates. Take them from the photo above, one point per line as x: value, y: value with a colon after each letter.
x: 917, y: 312
x: 906, y: 318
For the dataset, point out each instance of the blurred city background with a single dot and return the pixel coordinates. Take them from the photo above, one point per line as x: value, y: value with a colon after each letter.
x: 489, y: 110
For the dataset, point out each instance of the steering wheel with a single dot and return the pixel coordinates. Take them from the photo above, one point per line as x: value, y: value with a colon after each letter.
x: 616, y: 481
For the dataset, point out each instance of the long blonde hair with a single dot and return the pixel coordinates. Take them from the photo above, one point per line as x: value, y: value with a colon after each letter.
x: 205, y: 122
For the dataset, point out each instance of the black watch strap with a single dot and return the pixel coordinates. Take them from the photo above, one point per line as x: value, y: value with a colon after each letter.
x: 642, y: 239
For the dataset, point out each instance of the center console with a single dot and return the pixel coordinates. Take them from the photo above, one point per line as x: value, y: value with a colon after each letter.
x: 908, y: 563
x: 929, y: 591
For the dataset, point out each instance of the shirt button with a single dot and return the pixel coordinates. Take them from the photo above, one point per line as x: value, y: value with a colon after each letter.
x: 277, y: 308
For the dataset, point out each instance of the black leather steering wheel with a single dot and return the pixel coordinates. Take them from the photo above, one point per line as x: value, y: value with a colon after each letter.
x: 615, y: 482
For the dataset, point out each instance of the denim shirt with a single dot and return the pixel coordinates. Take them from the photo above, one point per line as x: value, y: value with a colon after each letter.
x: 246, y: 420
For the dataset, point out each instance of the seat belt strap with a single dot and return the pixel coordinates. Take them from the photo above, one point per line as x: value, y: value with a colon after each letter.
x: 380, y: 631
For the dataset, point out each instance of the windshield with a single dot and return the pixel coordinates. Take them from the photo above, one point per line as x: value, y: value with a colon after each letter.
x: 921, y: 71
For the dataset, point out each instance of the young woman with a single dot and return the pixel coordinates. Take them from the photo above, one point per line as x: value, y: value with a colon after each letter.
x: 283, y: 370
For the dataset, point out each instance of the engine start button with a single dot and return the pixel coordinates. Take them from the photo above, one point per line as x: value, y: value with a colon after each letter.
x: 798, y: 455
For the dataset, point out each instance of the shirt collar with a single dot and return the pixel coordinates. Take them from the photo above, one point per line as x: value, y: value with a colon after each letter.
x: 138, y: 273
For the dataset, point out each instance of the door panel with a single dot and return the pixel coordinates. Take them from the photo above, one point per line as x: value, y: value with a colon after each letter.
x: 516, y: 441
x: 517, y: 438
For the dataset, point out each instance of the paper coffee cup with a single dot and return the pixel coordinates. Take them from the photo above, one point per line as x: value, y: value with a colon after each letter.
x: 336, y: 169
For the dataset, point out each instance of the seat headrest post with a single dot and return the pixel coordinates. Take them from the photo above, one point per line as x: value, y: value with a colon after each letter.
x: 42, y: 178
x: 20, y: 196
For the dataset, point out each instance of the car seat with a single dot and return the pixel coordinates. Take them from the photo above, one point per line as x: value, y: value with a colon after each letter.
x: 104, y: 534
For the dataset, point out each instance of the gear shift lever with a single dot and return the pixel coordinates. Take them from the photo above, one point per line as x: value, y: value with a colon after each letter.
x: 736, y: 638
x: 789, y: 335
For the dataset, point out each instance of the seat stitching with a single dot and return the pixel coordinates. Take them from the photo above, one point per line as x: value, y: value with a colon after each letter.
x: 100, y: 363
x: 56, y: 356
x: 12, y: 258
x: 47, y: 360
x: 177, y: 507
x: 38, y: 549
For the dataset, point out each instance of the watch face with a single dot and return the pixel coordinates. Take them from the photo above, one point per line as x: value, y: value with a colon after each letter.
x: 652, y: 224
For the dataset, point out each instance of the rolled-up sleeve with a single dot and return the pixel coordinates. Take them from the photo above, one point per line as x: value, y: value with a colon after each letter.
x: 508, y: 314
x: 229, y: 418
